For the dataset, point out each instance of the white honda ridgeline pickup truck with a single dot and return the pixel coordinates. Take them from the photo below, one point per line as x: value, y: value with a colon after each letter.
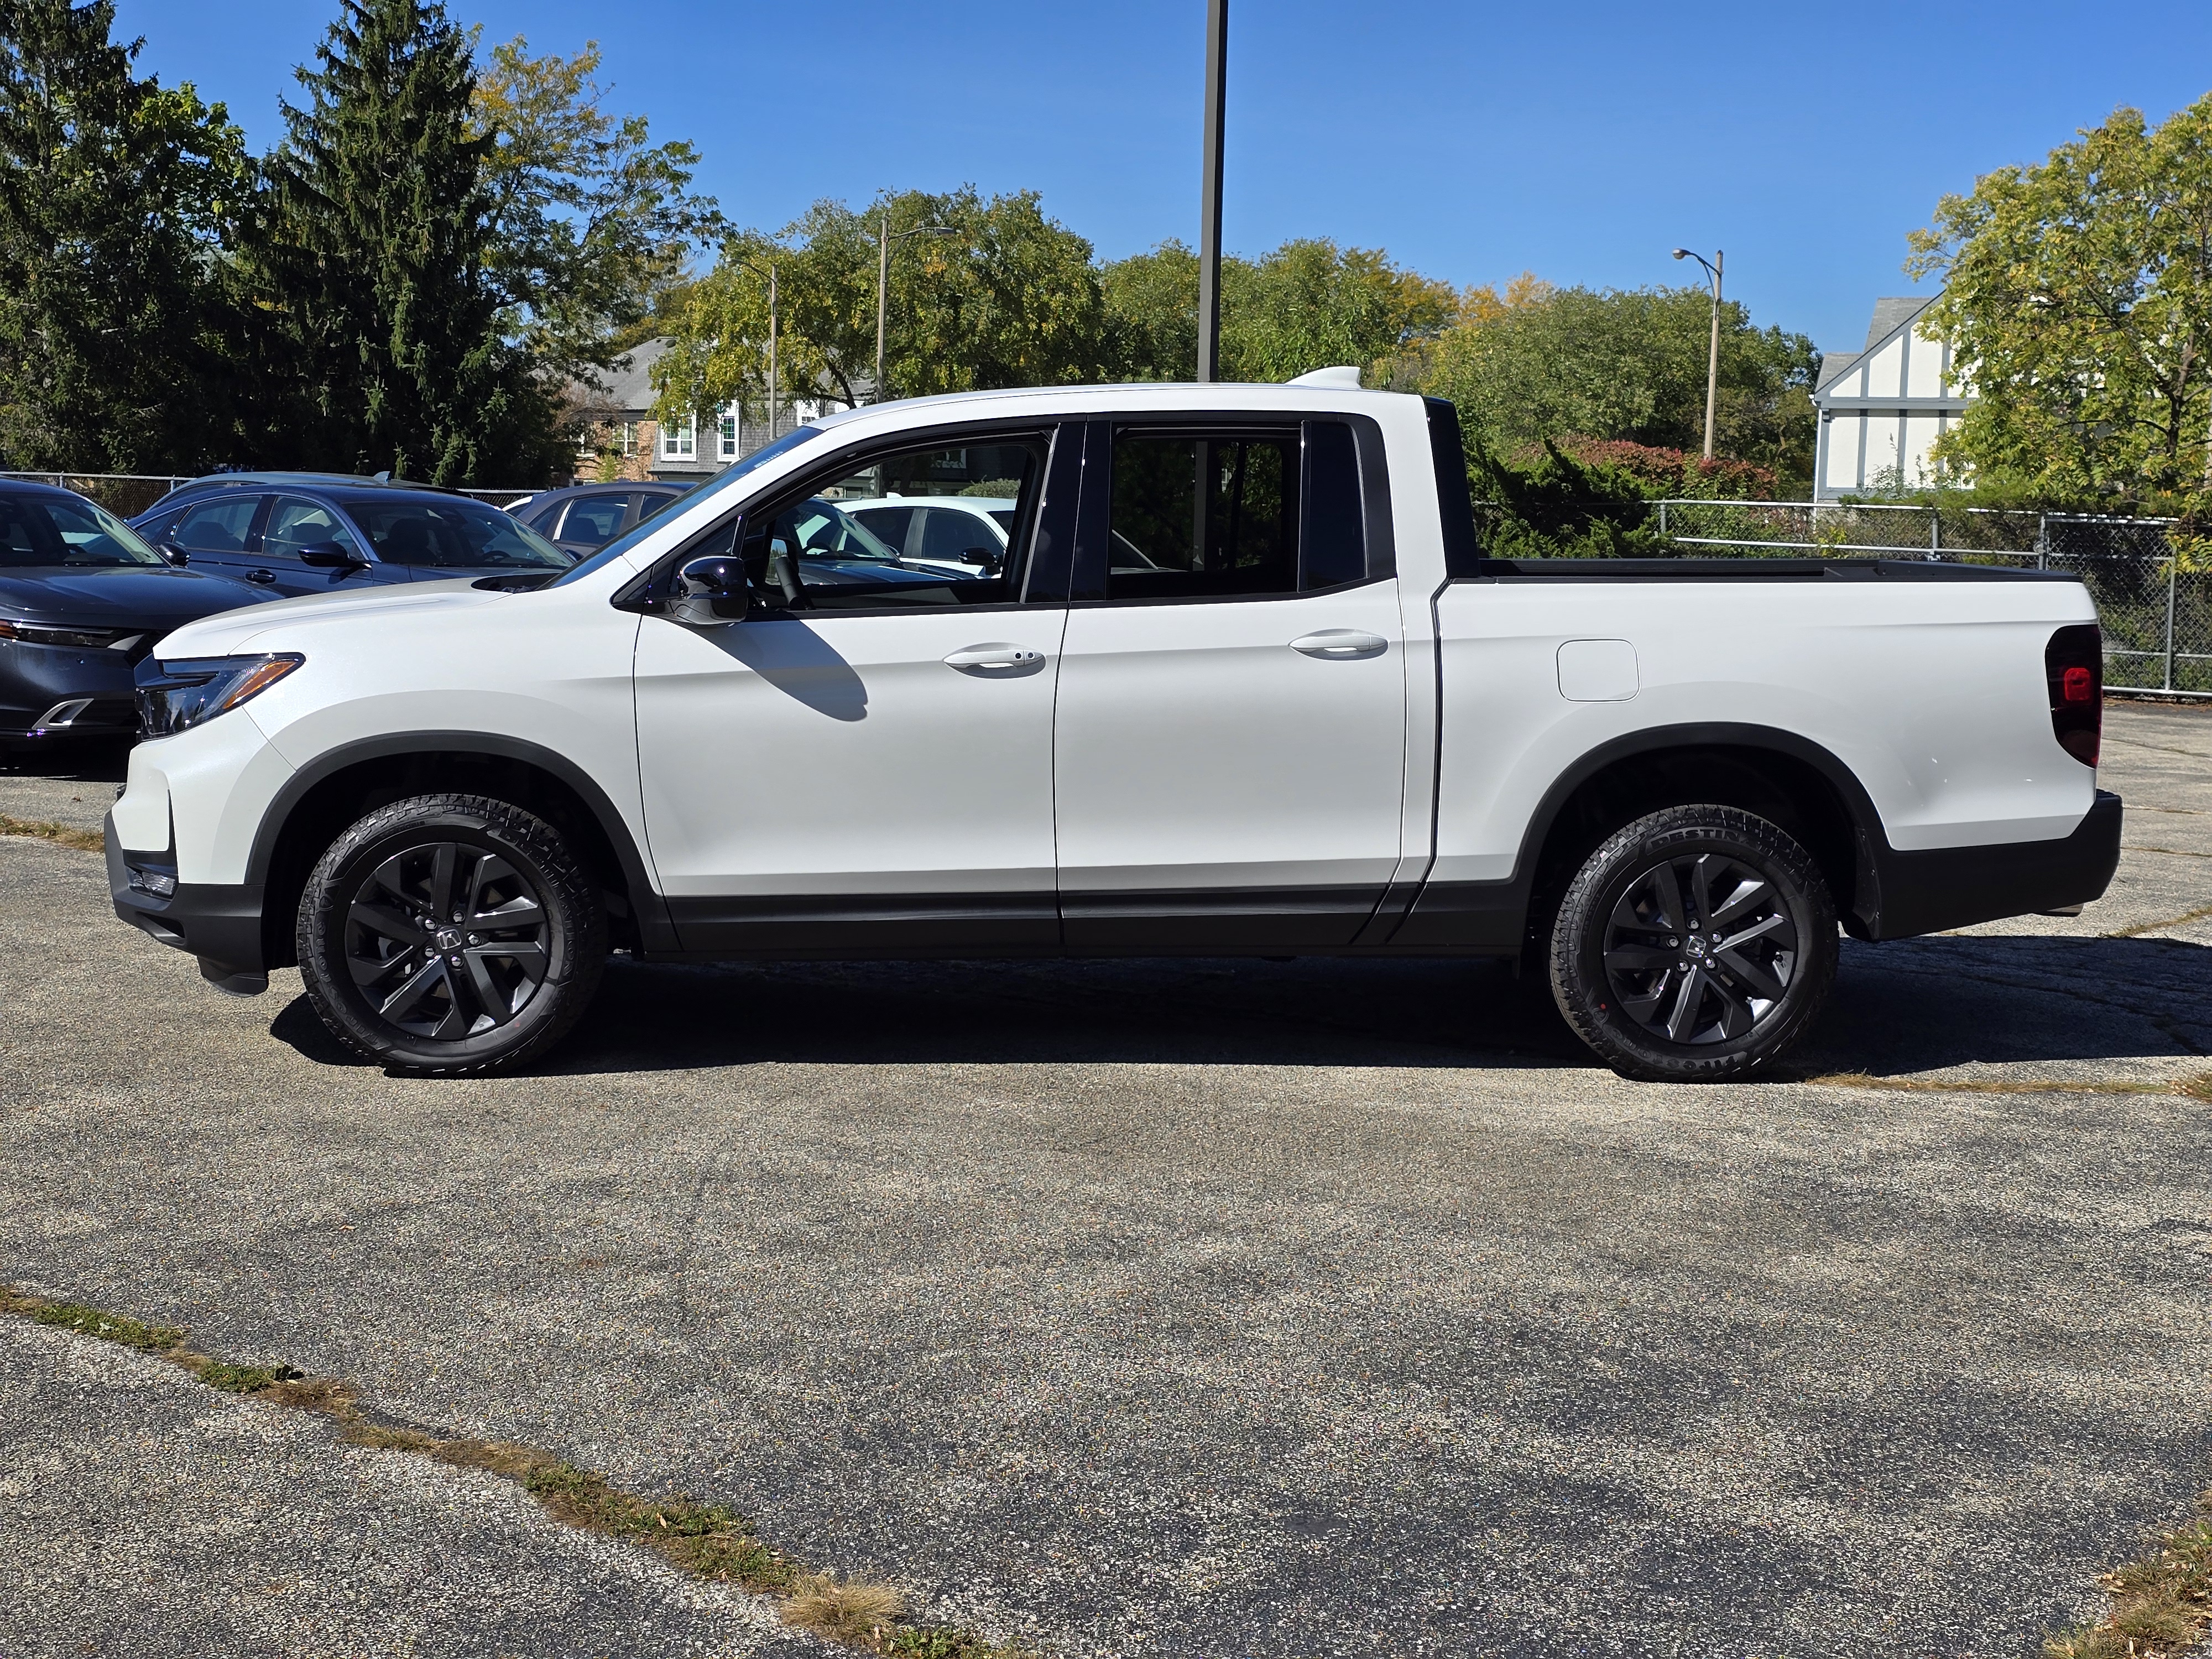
x: 1240, y: 682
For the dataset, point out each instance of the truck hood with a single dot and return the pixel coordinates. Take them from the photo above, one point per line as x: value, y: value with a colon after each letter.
x: 265, y: 628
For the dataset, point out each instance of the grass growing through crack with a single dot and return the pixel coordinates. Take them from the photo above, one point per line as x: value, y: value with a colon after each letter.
x: 2197, y: 1088
x: 708, y: 1540
x: 2162, y: 1601
x: 66, y: 835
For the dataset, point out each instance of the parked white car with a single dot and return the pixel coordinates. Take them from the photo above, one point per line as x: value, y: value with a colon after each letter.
x: 970, y: 531
x: 1242, y: 683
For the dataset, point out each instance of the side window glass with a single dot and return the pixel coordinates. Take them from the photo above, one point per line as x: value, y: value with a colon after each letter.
x: 217, y: 527
x: 1195, y: 516
x: 595, y: 521
x: 654, y: 503
x: 817, y: 552
x: 1334, y: 538
x: 888, y: 524
x: 953, y: 536
x: 295, y: 523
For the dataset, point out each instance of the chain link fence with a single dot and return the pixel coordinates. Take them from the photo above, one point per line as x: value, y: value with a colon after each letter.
x: 2154, y: 602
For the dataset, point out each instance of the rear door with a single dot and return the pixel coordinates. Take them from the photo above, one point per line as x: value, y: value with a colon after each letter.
x: 1229, y: 754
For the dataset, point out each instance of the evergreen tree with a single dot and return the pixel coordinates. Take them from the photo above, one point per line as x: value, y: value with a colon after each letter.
x: 387, y: 346
x: 115, y: 195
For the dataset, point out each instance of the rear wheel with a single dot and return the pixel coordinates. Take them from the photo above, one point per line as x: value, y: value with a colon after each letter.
x: 1695, y: 945
x: 450, y: 934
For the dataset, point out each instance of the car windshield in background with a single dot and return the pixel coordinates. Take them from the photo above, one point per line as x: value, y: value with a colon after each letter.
x: 722, y: 481
x: 451, y: 535
x: 50, y: 530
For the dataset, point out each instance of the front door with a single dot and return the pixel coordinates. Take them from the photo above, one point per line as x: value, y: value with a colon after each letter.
x: 295, y: 524
x: 1231, y: 743
x: 865, y: 763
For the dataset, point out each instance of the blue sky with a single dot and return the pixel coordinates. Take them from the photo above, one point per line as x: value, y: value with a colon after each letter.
x: 1471, y: 142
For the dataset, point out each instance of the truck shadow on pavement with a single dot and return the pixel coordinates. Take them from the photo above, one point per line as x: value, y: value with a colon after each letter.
x: 1920, y: 1005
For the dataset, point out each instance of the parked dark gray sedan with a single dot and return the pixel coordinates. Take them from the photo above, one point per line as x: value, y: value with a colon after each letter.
x: 83, y: 597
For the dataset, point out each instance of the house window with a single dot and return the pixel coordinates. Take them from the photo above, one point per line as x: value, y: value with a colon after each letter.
x: 730, y: 433
x: 680, y: 443
x: 629, y: 437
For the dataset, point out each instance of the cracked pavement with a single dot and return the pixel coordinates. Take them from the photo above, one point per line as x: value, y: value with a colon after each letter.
x: 1130, y: 1307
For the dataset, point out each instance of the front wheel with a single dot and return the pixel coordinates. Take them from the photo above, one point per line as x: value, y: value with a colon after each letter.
x: 450, y: 934
x: 1695, y: 945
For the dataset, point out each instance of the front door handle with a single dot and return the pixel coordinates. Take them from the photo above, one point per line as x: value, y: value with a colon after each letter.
x: 263, y: 576
x: 1342, y: 644
x: 995, y: 657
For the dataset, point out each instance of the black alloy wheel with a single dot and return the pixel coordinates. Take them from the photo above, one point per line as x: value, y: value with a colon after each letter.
x: 1696, y: 944
x: 1700, y: 948
x: 450, y: 934
x: 447, y: 940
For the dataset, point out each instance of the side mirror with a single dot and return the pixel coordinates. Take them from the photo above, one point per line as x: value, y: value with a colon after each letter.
x: 705, y: 586
x: 174, y: 554
x: 328, y: 556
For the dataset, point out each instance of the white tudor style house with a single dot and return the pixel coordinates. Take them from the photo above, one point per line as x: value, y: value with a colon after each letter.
x: 1882, y: 409
x: 618, y: 416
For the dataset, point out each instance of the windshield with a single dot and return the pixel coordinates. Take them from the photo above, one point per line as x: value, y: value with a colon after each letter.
x: 450, y: 535
x: 722, y: 481
x: 57, y: 530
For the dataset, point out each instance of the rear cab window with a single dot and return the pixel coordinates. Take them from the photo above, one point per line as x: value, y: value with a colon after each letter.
x: 1230, y: 510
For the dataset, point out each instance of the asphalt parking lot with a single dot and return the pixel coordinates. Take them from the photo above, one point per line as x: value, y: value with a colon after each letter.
x: 1133, y: 1308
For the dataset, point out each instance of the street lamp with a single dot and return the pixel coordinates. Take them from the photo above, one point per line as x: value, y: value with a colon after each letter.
x: 1713, y: 359
x: 768, y: 266
x: 884, y: 240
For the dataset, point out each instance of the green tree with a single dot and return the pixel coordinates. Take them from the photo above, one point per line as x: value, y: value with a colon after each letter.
x: 1308, y: 304
x: 374, y: 262
x: 1625, y: 365
x: 1555, y: 506
x: 591, y: 222
x: 115, y: 197
x: 2078, y: 301
x: 1007, y: 298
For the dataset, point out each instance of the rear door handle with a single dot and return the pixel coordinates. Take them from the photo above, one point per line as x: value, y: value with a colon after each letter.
x: 261, y: 575
x: 1341, y: 643
x: 1001, y: 657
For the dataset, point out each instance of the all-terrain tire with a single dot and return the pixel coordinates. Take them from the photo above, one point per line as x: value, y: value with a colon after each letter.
x: 451, y: 935
x: 1694, y: 946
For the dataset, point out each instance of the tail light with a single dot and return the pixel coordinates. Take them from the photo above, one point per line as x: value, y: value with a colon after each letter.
x: 2074, y: 664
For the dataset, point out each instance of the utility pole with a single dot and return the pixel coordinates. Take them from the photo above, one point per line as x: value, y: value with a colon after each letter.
x: 1209, y: 194
x: 1713, y: 356
x: 884, y: 240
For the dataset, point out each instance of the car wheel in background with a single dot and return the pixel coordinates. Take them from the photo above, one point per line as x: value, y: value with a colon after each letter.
x: 451, y: 934
x: 1695, y: 945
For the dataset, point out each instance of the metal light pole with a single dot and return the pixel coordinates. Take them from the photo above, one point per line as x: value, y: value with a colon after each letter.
x: 768, y: 265
x: 1209, y: 193
x: 884, y: 240
x: 1713, y: 358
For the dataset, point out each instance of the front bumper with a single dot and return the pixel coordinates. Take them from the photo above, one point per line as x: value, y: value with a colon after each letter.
x: 36, y: 679
x: 220, y: 925
x: 1947, y: 887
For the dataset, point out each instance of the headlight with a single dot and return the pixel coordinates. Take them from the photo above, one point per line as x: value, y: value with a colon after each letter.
x: 173, y: 695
